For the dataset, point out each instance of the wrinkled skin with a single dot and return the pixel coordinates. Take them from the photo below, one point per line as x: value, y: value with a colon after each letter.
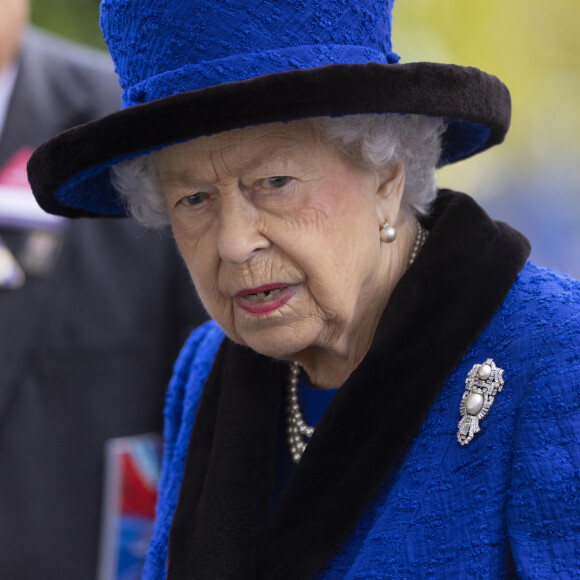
x: 271, y: 206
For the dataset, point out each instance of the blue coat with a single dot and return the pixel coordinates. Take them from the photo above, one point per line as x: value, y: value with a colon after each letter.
x: 505, y: 505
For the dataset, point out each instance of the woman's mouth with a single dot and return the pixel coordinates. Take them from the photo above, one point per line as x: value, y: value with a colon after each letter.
x: 260, y: 296
x: 265, y: 299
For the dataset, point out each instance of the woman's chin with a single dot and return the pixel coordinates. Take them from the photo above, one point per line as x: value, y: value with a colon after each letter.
x: 279, y: 334
x: 282, y: 343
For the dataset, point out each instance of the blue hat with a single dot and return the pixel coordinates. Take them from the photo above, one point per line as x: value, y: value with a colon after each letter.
x: 192, y: 68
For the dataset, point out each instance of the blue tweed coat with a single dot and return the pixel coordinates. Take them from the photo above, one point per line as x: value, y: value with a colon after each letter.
x: 506, y: 505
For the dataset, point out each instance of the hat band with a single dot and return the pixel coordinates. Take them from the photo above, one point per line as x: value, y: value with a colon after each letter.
x: 242, y: 67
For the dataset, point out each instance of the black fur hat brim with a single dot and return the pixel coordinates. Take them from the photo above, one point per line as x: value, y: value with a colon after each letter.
x: 69, y: 174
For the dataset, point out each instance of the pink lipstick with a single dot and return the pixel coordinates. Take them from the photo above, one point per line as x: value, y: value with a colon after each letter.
x: 265, y: 299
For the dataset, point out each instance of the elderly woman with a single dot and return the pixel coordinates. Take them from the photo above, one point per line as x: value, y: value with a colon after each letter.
x: 387, y: 388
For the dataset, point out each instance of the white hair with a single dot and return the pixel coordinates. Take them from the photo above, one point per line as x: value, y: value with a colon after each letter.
x: 374, y: 141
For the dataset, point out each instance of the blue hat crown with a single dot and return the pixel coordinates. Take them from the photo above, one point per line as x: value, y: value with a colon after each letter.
x: 165, y: 47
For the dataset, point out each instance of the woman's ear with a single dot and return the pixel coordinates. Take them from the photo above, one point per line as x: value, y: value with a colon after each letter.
x: 389, y: 194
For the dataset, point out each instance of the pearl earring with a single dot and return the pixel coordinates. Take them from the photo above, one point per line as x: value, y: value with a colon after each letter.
x: 388, y: 233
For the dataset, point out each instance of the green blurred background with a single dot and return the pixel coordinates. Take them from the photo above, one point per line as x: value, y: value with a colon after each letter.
x: 76, y: 19
x: 531, y: 181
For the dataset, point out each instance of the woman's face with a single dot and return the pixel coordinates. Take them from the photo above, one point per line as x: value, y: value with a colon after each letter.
x: 280, y: 235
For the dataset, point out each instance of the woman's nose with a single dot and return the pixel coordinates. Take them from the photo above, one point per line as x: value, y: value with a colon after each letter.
x: 240, y: 233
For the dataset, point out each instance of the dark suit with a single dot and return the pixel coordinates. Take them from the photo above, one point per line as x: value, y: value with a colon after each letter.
x: 86, y: 352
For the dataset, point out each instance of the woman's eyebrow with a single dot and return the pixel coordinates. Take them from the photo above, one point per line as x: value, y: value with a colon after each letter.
x: 282, y: 155
x: 183, y: 178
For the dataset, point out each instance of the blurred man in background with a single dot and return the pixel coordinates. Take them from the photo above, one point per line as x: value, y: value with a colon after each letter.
x: 86, y: 343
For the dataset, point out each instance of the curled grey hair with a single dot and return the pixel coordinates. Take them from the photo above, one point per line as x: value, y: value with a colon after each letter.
x: 375, y: 141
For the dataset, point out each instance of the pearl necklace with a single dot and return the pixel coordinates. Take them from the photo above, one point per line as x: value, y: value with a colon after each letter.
x: 296, y: 428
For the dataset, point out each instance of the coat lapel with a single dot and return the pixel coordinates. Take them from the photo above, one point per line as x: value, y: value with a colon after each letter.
x: 439, y: 307
x: 224, y: 501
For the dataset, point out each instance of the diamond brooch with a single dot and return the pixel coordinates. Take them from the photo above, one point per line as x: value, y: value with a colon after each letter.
x: 482, y: 384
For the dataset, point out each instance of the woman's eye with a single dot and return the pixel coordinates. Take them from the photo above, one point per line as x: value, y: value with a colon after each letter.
x: 194, y: 199
x: 275, y: 182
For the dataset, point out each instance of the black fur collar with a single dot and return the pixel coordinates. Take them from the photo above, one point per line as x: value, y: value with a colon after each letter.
x: 222, y: 526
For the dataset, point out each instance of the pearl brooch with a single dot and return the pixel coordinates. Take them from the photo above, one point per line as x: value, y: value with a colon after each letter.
x: 482, y: 384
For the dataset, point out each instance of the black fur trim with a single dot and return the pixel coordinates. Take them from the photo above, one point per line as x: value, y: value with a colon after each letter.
x: 466, y: 96
x: 223, y: 509
x: 439, y: 307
